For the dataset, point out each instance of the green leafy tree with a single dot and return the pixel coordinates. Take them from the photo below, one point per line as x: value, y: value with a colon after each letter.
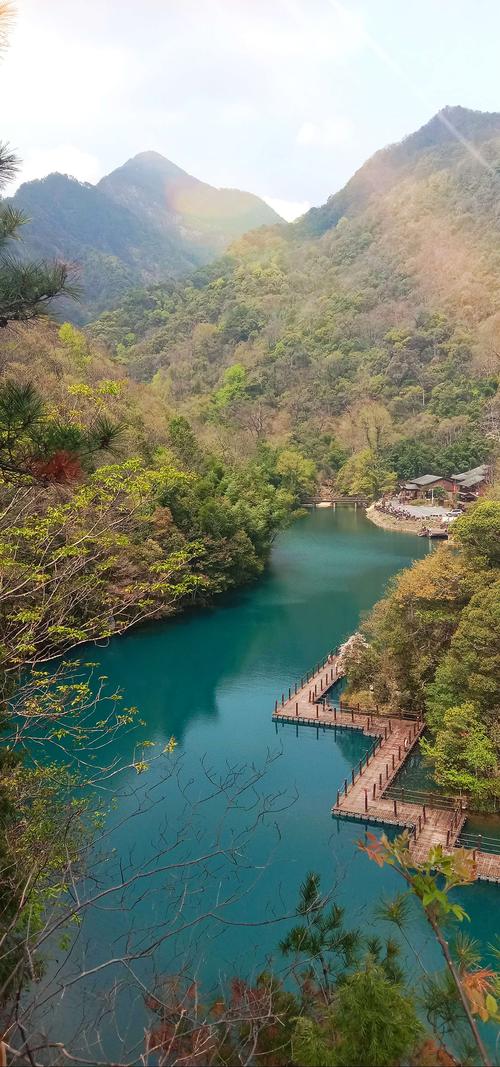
x: 232, y: 390
x: 464, y: 756
x: 470, y: 670
x: 409, y: 458
x: 184, y: 443
x: 296, y: 473
x: 478, y: 531
x: 365, y: 474
x: 75, y: 343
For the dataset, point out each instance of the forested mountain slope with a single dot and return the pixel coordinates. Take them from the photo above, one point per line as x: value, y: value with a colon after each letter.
x: 90, y: 458
x: 146, y: 221
x: 372, y: 323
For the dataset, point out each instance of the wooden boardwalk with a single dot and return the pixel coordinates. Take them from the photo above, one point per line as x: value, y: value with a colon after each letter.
x: 365, y: 795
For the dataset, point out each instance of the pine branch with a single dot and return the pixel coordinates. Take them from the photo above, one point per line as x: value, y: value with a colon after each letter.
x: 7, y: 14
x: 26, y: 288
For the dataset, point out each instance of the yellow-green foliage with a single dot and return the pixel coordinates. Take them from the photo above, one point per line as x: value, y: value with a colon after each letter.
x: 374, y: 320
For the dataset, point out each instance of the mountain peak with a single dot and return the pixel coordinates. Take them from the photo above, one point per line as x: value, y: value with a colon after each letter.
x: 147, y: 170
x: 148, y: 156
x: 146, y: 222
x: 453, y: 129
x: 452, y: 122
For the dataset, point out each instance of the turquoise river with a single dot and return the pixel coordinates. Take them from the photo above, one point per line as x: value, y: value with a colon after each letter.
x: 235, y: 782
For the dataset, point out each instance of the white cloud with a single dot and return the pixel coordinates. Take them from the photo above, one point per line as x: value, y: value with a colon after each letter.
x: 326, y: 134
x: 288, y: 209
x: 65, y: 158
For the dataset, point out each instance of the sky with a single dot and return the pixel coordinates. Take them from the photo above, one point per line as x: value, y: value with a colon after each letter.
x: 283, y: 98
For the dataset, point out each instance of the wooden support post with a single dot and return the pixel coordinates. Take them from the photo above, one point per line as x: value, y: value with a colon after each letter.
x: 380, y: 782
x: 352, y: 716
x: 289, y: 693
x: 447, y: 838
x: 295, y: 688
x: 352, y: 776
x: 385, y: 733
x: 424, y: 813
x: 296, y: 707
x: 338, y: 798
x: 317, y: 710
x: 399, y: 753
x: 390, y: 726
x: 374, y: 790
x: 335, y: 715
x: 315, y: 688
x: 345, y: 787
x: 395, y: 807
x: 386, y: 771
x: 282, y: 700
x: 360, y: 768
x: 393, y: 762
x: 366, y: 799
x: 420, y: 824
x: 275, y: 705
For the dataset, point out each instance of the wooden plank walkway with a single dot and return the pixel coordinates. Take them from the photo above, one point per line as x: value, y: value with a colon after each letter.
x: 364, y: 796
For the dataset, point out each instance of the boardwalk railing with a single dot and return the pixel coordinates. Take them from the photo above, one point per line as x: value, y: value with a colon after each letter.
x: 357, y: 771
x: 478, y: 843
x: 420, y: 796
x: 370, y: 792
x: 343, y: 705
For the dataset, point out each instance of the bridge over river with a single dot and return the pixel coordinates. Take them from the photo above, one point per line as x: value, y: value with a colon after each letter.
x: 370, y: 794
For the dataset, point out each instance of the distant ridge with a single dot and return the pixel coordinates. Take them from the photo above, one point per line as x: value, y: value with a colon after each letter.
x: 148, y: 221
x: 348, y: 296
x: 452, y: 126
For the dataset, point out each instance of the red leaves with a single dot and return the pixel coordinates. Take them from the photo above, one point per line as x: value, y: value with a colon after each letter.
x: 61, y: 467
x: 433, y: 1055
x: 375, y: 850
x: 479, y: 987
